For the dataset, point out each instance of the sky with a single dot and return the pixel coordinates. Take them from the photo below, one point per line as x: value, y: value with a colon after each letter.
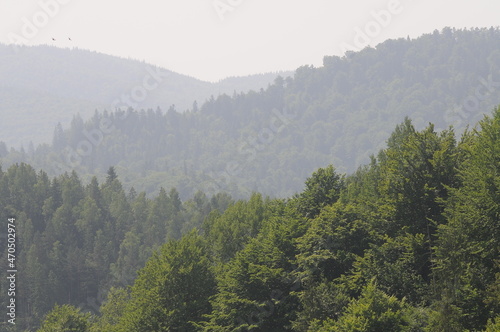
x: 214, y: 39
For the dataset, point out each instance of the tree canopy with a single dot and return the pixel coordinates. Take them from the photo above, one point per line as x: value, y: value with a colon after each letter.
x: 406, y: 243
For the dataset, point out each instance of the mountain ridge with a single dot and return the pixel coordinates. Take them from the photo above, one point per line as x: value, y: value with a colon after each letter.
x: 340, y: 114
x: 71, y: 81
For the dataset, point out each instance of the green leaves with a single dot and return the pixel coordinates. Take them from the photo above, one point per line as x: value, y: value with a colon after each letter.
x: 322, y: 188
x: 400, y: 266
x: 408, y: 243
x: 66, y: 318
x: 229, y: 232
x: 469, y: 244
x: 172, y: 290
x: 112, y: 310
x: 332, y: 242
x: 417, y: 169
x: 373, y: 311
x: 256, y: 288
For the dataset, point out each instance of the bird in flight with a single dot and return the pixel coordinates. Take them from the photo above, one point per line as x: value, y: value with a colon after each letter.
x: 53, y: 39
x: 69, y: 38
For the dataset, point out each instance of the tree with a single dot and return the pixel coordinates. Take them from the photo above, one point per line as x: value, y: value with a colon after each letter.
x: 373, y: 311
x: 37, y: 292
x: 319, y: 302
x: 72, y: 190
x: 59, y: 139
x: 160, y: 212
x: 398, y: 266
x: 173, y: 289
x: 3, y: 149
x: 322, y: 188
x: 493, y: 325
x: 66, y: 318
x: 468, y: 245
x: 174, y: 225
x: 256, y: 289
x: 89, y: 222
x: 111, y: 175
x: 417, y: 170
x: 112, y: 310
x: 128, y: 262
x: 332, y: 242
x: 229, y: 232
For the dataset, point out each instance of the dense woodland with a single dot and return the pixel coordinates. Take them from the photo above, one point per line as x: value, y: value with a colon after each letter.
x: 409, y: 242
x: 264, y: 211
x: 75, y: 241
x: 42, y: 85
x: 270, y: 141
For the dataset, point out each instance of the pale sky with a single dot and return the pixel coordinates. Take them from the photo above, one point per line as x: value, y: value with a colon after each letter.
x: 214, y: 39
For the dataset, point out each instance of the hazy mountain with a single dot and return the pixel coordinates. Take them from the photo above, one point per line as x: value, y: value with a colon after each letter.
x: 271, y: 140
x: 43, y: 85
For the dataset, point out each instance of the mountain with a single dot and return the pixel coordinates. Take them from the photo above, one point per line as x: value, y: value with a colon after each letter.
x: 43, y: 85
x: 377, y: 250
x: 270, y: 140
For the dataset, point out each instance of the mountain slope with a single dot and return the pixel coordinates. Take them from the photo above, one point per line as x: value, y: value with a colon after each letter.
x: 269, y: 141
x: 43, y: 85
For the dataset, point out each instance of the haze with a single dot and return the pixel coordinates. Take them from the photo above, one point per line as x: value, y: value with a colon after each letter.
x: 239, y: 38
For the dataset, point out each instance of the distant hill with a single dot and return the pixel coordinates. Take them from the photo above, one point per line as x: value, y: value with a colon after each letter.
x: 43, y: 85
x: 272, y: 139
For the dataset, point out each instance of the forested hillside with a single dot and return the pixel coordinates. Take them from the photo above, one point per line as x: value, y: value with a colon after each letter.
x: 270, y: 140
x: 349, y: 197
x: 75, y: 241
x: 43, y: 85
x: 409, y: 242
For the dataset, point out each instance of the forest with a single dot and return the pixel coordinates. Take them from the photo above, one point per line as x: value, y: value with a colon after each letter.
x: 272, y: 139
x: 44, y: 84
x: 408, y: 242
x: 363, y: 195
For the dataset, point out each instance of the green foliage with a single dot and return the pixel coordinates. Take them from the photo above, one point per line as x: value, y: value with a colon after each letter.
x: 172, y: 290
x: 76, y: 241
x: 418, y: 168
x: 112, y: 310
x: 493, y: 325
x: 409, y: 242
x: 320, y: 302
x: 66, y: 318
x: 469, y: 243
x: 400, y: 266
x: 322, y: 188
x: 271, y: 140
x: 445, y: 317
x: 256, y: 288
x: 333, y: 241
x: 373, y: 311
x: 228, y: 233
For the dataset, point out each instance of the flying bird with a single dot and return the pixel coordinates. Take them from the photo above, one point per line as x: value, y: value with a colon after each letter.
x: 53, y: 39
x: 69, y: 38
